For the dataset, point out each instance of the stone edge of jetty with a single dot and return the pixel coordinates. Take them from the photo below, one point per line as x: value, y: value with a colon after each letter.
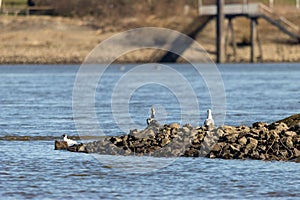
x: 277, y: 141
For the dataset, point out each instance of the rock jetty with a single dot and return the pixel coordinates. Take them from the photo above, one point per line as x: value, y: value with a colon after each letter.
x: 277, y: 141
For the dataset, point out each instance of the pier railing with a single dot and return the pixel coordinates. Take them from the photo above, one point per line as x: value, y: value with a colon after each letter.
x: 230, y: 9
x: 269, y: 12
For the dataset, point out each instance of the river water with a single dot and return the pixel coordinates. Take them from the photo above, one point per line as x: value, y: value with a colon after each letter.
x: 36, y: 101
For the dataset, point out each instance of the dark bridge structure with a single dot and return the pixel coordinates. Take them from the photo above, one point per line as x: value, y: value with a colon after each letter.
x: 221, y: 11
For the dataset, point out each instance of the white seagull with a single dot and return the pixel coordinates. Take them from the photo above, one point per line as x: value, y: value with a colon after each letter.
x: 69, y: 141
x: 152, y: 112
x: 149, y: 120
x: 209, y: 122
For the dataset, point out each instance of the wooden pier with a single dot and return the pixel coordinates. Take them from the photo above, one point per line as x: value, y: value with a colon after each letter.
x: 252, y: 11
x: 226, y: 35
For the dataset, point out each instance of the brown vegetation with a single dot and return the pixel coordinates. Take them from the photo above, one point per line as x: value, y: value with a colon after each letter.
x: 44, y: 39
x: 116, y: 9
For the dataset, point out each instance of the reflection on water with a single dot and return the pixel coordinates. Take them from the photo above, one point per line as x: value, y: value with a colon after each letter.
x: 36, y: 109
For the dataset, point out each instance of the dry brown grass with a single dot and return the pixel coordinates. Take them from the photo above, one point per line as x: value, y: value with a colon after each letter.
x: 43, y: 39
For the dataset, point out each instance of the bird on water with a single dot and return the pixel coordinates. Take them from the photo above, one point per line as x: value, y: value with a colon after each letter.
x: 69, y: 141
x: 209, y: 121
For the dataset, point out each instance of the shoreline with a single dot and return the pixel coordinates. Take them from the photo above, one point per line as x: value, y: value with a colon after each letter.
x: 59, y: 40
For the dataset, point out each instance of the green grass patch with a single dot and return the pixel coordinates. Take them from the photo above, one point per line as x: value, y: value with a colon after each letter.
x: 278, y: 2
x: 14, y: 2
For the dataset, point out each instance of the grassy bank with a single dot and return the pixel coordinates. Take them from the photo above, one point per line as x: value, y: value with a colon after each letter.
x: 56, y: 39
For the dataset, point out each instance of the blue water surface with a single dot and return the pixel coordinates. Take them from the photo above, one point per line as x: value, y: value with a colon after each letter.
x: 36, y: 100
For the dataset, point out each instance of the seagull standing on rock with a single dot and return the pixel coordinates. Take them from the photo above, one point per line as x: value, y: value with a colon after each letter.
x: 149, y: 120
x: 209, y: 122
x: 69, y: 141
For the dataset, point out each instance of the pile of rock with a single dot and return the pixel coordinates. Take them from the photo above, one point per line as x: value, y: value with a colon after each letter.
x: 261, y: 141
x: 276, y: 141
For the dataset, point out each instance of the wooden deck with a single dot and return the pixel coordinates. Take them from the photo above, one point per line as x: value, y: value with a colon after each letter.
x: 232, y: 9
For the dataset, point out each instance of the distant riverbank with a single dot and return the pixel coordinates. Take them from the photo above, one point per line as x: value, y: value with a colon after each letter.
x: 58, y: 40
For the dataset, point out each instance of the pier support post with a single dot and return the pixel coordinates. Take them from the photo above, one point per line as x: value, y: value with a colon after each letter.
x: 252, y: 35
x: 220, y: 31
x: 230, y: 31
x: 259, y: 45
x: 255, y: 38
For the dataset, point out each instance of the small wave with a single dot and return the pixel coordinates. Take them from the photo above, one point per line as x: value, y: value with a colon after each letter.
x: 276, y: 194
x: 69, y: 175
